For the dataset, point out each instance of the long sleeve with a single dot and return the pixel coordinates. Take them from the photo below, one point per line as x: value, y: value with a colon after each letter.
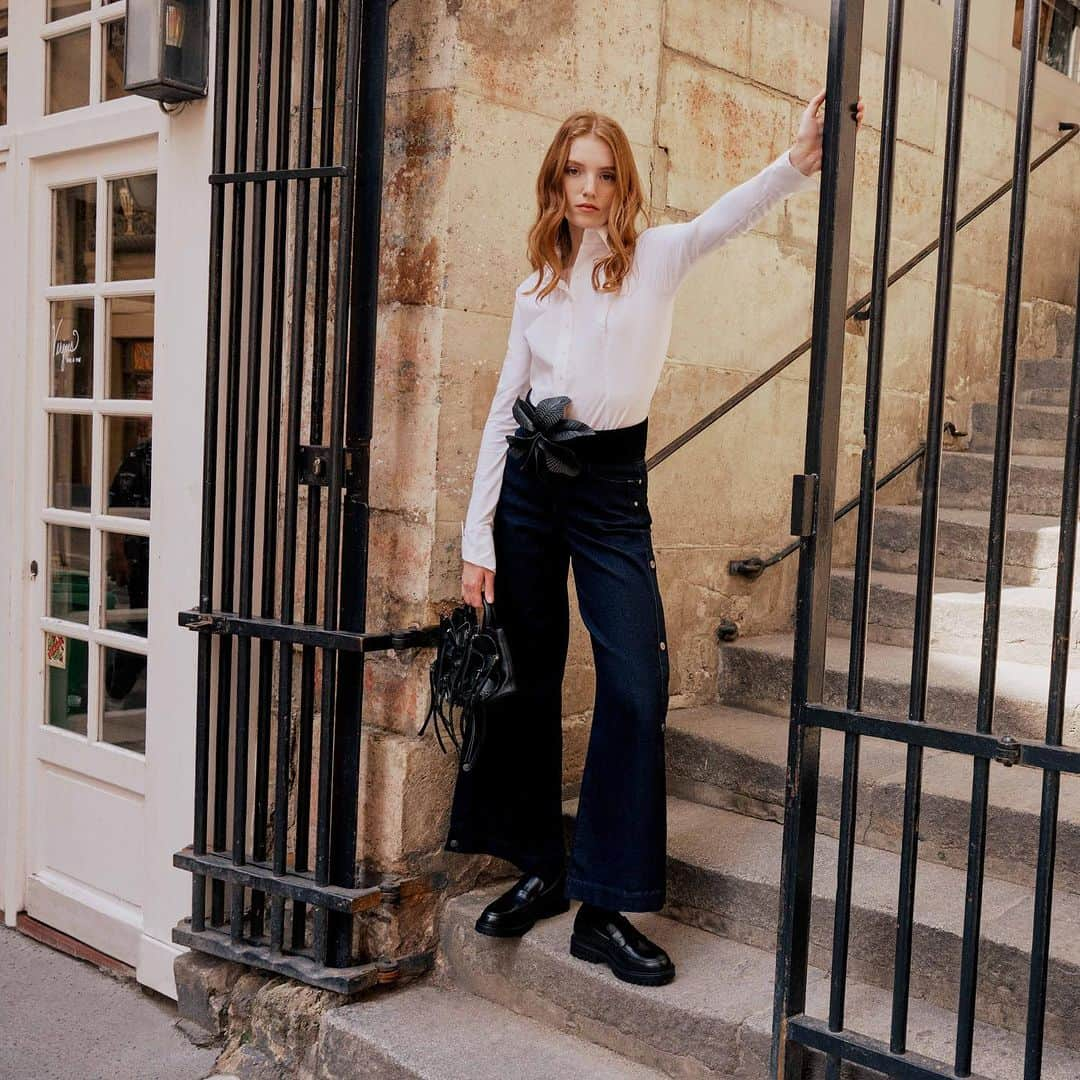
x: 671, y: 250
x: 477, y: 540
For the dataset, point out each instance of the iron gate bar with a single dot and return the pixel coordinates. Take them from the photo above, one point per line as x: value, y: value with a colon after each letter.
x: 995, y: 552
x: 1005, y: 749
x: 928, y: 525
x: 313, y: 539
x: 315, y: 437
x: 250, y: 475
x: 822, y: 433
x: 282, y: 129
x: 865, y: 526
x: 862, y: 1050
x: 1055, y: 714
x: 352, y: 425
x: 210, y: 459
x: 228, y: 506
x: 288, y: 547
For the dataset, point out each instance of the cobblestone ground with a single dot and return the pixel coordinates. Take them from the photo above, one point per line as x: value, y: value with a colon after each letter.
x: 65, y: 1018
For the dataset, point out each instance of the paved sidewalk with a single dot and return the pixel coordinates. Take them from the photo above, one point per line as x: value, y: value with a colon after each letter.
x: 64, y: 1018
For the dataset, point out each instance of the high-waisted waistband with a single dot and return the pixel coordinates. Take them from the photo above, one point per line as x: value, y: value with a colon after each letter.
x: 613, y: 444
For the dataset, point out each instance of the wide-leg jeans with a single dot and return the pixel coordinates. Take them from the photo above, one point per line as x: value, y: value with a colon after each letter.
x: 509, y: 804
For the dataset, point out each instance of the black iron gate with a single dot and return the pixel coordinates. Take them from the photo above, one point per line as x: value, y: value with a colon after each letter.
x: 812, y: 519
x: 294, y: 249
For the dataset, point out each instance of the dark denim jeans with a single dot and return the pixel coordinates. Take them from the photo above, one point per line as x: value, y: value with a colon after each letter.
x: 509, y: 805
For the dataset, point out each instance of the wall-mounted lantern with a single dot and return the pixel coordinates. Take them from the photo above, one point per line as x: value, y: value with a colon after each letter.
x: 167, y: 49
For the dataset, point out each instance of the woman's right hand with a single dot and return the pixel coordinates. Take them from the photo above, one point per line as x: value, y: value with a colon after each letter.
x: 476, y: 583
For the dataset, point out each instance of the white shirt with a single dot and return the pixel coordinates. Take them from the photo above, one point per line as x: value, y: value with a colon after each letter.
x: 605, y: 351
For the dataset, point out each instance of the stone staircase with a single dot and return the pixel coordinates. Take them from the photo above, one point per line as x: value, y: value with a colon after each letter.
x: 526, y: 1008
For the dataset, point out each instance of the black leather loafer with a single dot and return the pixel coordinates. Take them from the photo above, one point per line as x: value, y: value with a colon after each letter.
x: 528, y: 899
x: 615, y: 941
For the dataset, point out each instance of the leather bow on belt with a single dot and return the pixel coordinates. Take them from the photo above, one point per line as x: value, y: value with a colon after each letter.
x: 544, y: 446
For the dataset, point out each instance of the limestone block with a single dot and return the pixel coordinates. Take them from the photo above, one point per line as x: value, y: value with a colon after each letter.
x: 399, y: 555
x: 719, y: 131
x: 406, y: 783
x: 1051, y: 247
x: 203, y: 986
x: 551, y: 57
x: 988, y: 138
x: 422, y: 47
x: 404, y: 445
x: 744, y: 306
x: 788, y: 50
x: 974, y: 350
x: 718, y: 34
x: 917, y: 121
x: 416, y: 171
x: 474, y: 345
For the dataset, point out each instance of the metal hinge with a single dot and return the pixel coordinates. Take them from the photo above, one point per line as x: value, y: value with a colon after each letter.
x: 1008, y: 751
x: 804, y: 488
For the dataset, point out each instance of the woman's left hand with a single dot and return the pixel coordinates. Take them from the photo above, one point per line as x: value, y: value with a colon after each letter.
x: 806, y: 153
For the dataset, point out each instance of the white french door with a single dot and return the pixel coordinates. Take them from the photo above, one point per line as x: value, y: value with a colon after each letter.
x: 92, y: 303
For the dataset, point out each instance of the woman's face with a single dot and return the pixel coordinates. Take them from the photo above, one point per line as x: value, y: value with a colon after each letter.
x: 589, y: 181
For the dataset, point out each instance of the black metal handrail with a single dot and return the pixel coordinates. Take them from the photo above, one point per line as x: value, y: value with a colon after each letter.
x: 858, y: 309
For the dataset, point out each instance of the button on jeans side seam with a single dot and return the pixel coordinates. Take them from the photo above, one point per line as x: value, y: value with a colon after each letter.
x: 661, y: 654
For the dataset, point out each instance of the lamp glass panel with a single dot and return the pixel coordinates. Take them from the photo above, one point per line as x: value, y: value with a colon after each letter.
x: 143, y: 41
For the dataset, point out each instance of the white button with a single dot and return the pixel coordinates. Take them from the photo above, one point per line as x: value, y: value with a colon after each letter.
x: 663, y: 645
x: 635, y: 502
x: 652, y: 562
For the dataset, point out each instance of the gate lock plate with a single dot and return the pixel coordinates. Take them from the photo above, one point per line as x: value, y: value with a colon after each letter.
x: 803, y: 503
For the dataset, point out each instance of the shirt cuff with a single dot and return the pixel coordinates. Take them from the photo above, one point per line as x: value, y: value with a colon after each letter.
x: 794, y: 178
x: 478, y: 546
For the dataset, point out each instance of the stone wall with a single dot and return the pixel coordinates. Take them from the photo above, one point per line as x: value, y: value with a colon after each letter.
x: 709, y: 92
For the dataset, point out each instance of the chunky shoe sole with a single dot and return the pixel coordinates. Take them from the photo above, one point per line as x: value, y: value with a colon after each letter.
x: 555, y: 906
x: 595, y: 955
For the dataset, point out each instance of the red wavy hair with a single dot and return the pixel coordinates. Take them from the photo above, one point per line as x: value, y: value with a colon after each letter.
x: 549, y: 242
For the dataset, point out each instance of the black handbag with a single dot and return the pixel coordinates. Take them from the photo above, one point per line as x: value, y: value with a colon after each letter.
x: 472, y: 669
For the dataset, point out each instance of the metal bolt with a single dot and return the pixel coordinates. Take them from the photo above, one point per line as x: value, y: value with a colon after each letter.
x: 453, y: 843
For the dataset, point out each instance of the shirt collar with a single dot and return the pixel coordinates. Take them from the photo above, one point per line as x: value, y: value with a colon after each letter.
x: 591, y: 237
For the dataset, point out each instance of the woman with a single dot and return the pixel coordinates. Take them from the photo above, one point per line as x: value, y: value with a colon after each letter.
x: 561, y: 479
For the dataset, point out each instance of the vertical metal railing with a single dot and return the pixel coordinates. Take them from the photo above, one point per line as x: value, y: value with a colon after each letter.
x: 1055, y: 721
x: 928, y: 525
x: 813, y: 505
x: 295, y: 285
x: 865, y: 527
x: 995, y: 553
x: 812, y: 520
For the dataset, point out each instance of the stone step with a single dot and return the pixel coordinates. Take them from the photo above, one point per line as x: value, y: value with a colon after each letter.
x: 1066, y: 331
x: 1025, y: 626
x: 1034, y: 482
x: 1052, y: 372
x: 1037, y: 429
x: 1031, y: 544
x: 723, y: 873
x: 430, y: 1032
x: 713, y: 1020
x: 755, y: 673
x: 1044, y: 395
x: 735, y: 759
